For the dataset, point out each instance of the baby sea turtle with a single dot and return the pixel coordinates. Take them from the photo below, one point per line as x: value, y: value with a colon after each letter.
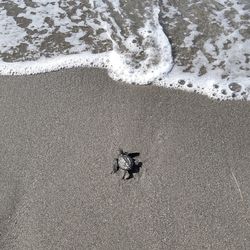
x: 125, y: 163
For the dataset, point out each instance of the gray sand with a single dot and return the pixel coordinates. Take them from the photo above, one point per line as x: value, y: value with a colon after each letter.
x: 59, y: 133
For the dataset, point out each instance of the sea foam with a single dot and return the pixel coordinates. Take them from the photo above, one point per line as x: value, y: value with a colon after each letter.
x: 131, y: 40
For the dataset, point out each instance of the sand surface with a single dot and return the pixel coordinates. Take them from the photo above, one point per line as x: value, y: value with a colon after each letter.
x: 59, y: 133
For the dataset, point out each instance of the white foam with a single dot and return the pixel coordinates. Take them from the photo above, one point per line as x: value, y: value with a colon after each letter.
x: 125, y: 45
x: 189, y: 39
x: 219, y: 63
x: 121, y: 65
x: 10, y: 34
x: 43, y: 64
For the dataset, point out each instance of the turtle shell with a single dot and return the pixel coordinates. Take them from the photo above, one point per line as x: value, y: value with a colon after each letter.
x: 125, y: 162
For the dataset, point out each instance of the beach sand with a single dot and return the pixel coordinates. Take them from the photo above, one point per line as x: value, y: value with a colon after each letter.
x: 59, y: 133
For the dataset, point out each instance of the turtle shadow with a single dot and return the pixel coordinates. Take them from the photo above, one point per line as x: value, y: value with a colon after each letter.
x: 137, y: 165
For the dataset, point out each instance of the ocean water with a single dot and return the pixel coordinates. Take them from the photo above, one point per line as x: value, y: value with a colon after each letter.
x: 201, y: 46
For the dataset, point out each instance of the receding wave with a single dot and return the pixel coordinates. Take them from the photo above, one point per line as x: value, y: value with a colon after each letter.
x: 199, y: 46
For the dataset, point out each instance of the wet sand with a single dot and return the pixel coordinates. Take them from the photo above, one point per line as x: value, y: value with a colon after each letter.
x: 59, y: 133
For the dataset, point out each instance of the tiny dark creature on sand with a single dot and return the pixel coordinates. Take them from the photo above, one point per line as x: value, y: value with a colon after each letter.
x: 124, y: 162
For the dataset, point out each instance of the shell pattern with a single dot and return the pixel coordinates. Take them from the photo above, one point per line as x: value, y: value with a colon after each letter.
x: 125, y: 162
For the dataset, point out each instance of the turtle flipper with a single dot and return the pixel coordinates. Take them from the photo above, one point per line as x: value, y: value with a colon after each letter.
x: 115, y: 166
x: 126, y: 175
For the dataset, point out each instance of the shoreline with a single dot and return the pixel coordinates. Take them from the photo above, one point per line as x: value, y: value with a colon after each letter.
x: 175, y: 79
x: 59, y: 133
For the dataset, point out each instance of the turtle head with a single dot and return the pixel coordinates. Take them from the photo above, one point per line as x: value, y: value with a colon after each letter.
x: 120, y: 151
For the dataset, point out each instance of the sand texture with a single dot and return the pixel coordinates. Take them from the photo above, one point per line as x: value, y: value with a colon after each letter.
x: 59, y: 133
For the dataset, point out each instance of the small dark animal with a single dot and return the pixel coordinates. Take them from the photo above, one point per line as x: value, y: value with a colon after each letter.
x: 124, y: 162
